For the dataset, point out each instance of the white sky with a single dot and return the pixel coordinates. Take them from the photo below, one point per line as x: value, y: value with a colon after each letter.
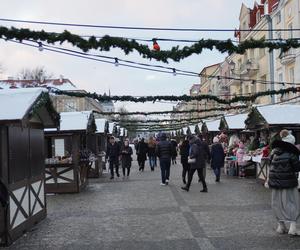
x: 99, y: 77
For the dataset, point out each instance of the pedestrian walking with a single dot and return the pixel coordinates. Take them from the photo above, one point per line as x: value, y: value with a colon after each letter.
x: 283, y: 182
x: 205, y: 148
x: 142, y: 149
x: 164, y: 153
x: 197, y: 162
x: 184, y: 149
x: 174, y: 151
x: 126, y: 158
x: 151, y: 152
x: 217, y: 158
x: 113, y: 154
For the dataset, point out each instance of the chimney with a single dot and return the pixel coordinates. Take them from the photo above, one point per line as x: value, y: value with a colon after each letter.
x: 61, y: 78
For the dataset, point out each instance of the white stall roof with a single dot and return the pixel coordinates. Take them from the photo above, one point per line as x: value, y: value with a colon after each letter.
x: 236, y: 121
x: 122, y: 130
x: 100, y: 125
x: 74, y: 120
x: 192, y: 128
x: 281, y: 114
x: 213, y: 125
x: 15, y: 103
x: 185, y: 130
x: 111, y: 127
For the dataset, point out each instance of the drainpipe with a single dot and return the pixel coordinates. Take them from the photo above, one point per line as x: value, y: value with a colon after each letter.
x: 271, y: 57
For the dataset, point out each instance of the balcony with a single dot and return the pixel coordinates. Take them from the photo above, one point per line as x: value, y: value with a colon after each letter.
x: 249, y: 67
x: 288, y: 57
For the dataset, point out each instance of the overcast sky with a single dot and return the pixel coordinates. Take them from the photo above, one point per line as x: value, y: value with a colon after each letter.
x: 99, y: 77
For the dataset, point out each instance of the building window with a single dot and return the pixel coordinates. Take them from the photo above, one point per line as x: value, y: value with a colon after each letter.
x: 262, y: 52
x: 257, y: 16
x: 263, y: 85
x: 278, y: 17
x: 280, y: 77
x: 290, y: 27
x: 292, y: 75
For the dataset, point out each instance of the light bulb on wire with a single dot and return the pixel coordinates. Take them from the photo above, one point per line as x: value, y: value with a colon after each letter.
x: 174, y: 72
x: 40, y: 46
x: 116, y: 62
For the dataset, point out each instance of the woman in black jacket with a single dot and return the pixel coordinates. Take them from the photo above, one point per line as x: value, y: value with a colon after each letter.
x: 126, y: 159
x: 184, y: 153
x: 217, y: 158
x: 142, y: 150
x: 283, y: 182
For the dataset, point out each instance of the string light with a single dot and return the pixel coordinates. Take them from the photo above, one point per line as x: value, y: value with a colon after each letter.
x: 116, y: 62
x: 40, y: 46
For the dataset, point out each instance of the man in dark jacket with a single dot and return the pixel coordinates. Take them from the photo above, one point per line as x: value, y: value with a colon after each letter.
x: 184, y: 153
x: 164, y: 153
x: 198, y: 156
x: 142, y: 150
x: 113, y: 154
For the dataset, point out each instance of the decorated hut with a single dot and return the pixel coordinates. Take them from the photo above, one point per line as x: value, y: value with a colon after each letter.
x: 97, y: 144
x: 267, y: 121
x: 24, y: 113
x: 233, y: 123
x: 67, y: 154
x: 209, y: 129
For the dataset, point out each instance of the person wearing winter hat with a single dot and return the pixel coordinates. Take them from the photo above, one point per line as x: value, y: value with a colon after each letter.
x: 283, y: 181
x: 217, y: 157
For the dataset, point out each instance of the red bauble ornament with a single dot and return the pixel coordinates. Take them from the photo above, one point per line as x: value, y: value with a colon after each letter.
x: 156, y: 46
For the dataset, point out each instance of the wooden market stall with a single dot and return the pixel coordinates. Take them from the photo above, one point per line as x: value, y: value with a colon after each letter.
x: 67, y: 155
x: 96, y: 142
x: 267, y: 121
x: 209, y: 129
x: 24, y: 113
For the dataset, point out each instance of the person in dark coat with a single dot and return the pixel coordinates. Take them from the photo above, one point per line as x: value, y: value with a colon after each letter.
x: 205, y: 148
x: 198, y: 156
x: 142, y: 149
x: 164, y: 153
x: 151, y: 152
x: 283, y: 182
x: 174, y: 151
x: 217, y: 158
x: 126, y: 159
x: 184, y: 150
x: 113, y: 154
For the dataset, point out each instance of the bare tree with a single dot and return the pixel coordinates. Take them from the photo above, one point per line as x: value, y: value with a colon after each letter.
x: 38, y: 74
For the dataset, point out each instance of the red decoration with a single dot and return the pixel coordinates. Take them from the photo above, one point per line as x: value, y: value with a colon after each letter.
x: 156, y: 46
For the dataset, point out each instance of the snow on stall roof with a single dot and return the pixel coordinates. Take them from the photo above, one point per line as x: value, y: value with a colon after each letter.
x: 61, y: 84
x: 281, y: 114
x: 185, y: 130
x: 192, y: 128
x: 74, y: 120
x: 100, y: 125
x: 236, y: 121
x: 15, y: 103
x: 213, y: 125
x: 111, y: 127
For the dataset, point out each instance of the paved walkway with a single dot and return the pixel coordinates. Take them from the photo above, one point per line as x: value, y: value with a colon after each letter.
x: 140, y: 214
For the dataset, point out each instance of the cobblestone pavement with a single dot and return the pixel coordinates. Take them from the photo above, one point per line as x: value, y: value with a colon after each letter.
x: 138, y: 213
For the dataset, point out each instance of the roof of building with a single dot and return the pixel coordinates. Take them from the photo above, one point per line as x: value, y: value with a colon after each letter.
x: 15, y: 103
x: 236, y: 121
x: 74, y: 120
x: 212, y: 125
x: 100, y: 125
x: 280, y: 114
x: 61, y: 84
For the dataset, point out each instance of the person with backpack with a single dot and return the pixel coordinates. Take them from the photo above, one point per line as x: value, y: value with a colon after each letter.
x: 164, y: 153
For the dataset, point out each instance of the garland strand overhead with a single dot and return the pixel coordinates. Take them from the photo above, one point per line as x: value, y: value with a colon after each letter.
x: 128, y: 46
x: 186, y: 98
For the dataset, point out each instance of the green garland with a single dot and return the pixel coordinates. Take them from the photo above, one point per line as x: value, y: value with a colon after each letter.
x: 138, y: 122
x: 129, y: 46
x: 173, y: 111
x: 185, y: 98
